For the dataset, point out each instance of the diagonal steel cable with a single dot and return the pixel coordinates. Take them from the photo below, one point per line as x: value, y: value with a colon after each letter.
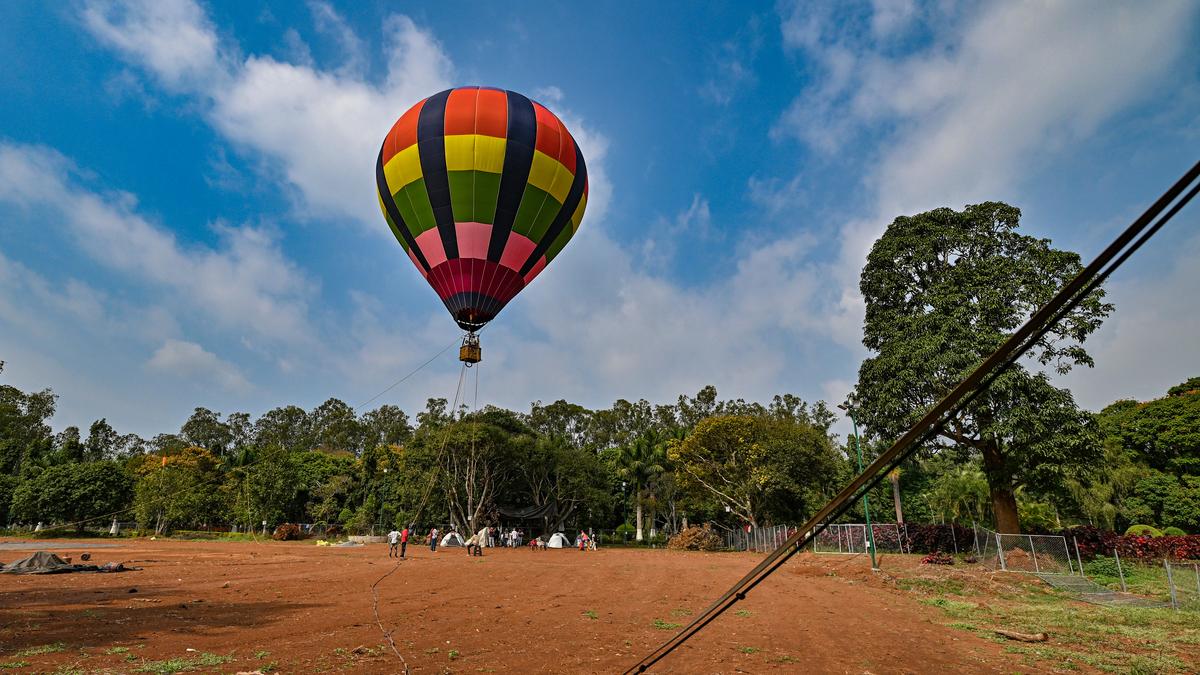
x: 1041, y: 322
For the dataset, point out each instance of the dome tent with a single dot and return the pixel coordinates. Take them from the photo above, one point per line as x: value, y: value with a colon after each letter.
x: 452, y: 539
x: 559, y: 540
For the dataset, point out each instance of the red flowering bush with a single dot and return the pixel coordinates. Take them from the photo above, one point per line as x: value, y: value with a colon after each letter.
x: 938, y: 558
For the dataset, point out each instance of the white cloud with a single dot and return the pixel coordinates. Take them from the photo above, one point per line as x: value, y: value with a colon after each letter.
x: 244, y: 285
x: 317, y: 131
x: 189, y: 360
x: 551, y: 94
x: 173, y: 37
x: 996, y: 93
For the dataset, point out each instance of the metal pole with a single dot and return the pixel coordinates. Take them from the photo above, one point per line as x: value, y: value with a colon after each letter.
x: 1120, y: 570
x: 1033, y: 550
x: 1077, y: 558
x: 1000, y: 550
x: 866, y: 501
x: 954, y: 538
x: 1196, y: 569
x: 1171, y: 585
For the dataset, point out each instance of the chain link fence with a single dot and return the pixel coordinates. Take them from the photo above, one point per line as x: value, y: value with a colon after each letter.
x: 1033, y: 553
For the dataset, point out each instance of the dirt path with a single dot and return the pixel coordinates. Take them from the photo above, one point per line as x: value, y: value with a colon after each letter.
x: 305, y: 608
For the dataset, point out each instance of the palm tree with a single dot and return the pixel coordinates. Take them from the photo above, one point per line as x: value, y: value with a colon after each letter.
x: 894, y: 476
x: 640, y: 462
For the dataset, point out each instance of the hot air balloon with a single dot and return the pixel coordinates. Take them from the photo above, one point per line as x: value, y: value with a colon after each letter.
x: 483, y: 188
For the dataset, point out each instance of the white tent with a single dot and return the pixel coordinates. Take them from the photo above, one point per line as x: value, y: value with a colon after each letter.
x: 453, y: 539
x: 558, y: 540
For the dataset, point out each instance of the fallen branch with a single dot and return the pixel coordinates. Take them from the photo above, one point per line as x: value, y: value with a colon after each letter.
x: 1023, y: 637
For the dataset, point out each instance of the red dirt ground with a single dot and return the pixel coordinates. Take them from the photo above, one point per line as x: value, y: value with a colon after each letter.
x: 513, y: 611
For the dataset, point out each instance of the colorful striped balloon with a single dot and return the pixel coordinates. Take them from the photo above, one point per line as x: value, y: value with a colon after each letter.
x: 483, y: 188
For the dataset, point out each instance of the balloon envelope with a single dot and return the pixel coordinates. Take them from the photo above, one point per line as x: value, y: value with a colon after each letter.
x: 483, y: 188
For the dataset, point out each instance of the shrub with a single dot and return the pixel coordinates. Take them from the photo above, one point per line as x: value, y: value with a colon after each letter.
x: 930, y: 538
x: 938, y: 558
x: 1173, y: 532
x: 1092, y: 540
x: 1102, y: 566
x: 1143, y: 531
x: 287, y: 532
x: 696, y: 539
x: 626, y: 528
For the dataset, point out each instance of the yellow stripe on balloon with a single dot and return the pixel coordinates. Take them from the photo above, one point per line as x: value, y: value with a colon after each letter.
x: 475, y: 152
x: 403, y: 168
x: 542, y: 175
x: 489, y: 153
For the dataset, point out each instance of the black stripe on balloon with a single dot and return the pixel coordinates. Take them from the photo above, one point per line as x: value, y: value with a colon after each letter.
x: 518, y: 158
x: 431, y: 145
x: 563, y: 218
x: 482, y: 306
x: 389, y: 203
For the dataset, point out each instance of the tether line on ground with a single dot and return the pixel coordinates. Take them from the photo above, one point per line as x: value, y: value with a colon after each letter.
x: 387, y: 634
x: 1041, y: 322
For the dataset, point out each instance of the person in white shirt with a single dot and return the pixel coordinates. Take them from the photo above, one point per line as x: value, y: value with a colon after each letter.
x: 393, y: 543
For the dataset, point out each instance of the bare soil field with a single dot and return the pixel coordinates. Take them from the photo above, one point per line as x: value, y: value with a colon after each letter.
x: 295, y: 607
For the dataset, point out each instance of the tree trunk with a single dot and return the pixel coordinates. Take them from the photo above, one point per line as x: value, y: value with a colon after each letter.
x: 895, y: 476
x: 639, y: 520
x: 1004, y: 499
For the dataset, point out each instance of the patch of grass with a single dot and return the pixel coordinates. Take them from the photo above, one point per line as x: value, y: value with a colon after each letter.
x: 666, y: 625
x: 680, y: 611
x: 750, y: 650
x: 591, y: 614
x: 43, y: 649
x: 15, y: 664
x: 431, y: 650
x: 183, y: 664
x: 744, y: 613
x: 452, y: 654
x: 782, y: 658
x: 261, y: 654
x: 117, y: 650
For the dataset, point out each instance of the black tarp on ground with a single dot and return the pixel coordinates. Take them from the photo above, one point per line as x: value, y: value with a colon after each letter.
x: 44, y: 562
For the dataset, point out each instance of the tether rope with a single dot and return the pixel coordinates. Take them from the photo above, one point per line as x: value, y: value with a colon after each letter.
x: 1040, y: 323
x: 458, y: 393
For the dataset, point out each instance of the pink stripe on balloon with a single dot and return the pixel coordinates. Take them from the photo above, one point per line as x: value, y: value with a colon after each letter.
x: 430, y: 242
x: 517, y: 251
x: 473, y: 239
x: 537, y: 269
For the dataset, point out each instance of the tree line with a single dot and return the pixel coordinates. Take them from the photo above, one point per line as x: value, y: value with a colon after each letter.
x: 942, y: 290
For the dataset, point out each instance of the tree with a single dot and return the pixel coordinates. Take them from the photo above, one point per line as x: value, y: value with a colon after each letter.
x: 182, y: 489
x: 943, y: 289
x: 336, y: 427
x: 761, y: 469
x: 386, y: 425
x: 24, y: 433
x: 102, y: 441
x: 73, y: 493
x: 639, y: 462
x: 204, y: 429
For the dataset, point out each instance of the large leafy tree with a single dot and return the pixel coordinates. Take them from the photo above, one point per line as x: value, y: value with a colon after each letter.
x: 73, y: 493
x: 761, y: 469
x: 943, y: 289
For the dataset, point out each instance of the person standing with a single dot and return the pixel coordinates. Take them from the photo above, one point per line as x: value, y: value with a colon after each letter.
x: 403, y: 541
x: 433, y: 540
x: 393, y: 539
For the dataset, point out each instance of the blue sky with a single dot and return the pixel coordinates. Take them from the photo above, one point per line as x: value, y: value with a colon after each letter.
x: 187, y: 213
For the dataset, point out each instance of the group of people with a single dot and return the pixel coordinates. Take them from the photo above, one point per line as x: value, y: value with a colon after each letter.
x: 486, y: 536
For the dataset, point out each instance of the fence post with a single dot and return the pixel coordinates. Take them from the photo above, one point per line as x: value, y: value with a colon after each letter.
x: 1033, y: 552
x: 1000, y: 550
x: 1171, y: 585
x: 1079, y: 560
x: 954, y: 538
x: 1120, y: 570
x: 1196, y: 569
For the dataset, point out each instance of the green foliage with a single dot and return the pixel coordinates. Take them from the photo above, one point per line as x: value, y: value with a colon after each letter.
x: 1173, y: 532
x: 181, y: 490
x: 1102, y: 566
x: 762, y: 469
x: 943, y: 289
x: 72, y: 492
x: 1037, y: 516
x: 1144, y: 531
